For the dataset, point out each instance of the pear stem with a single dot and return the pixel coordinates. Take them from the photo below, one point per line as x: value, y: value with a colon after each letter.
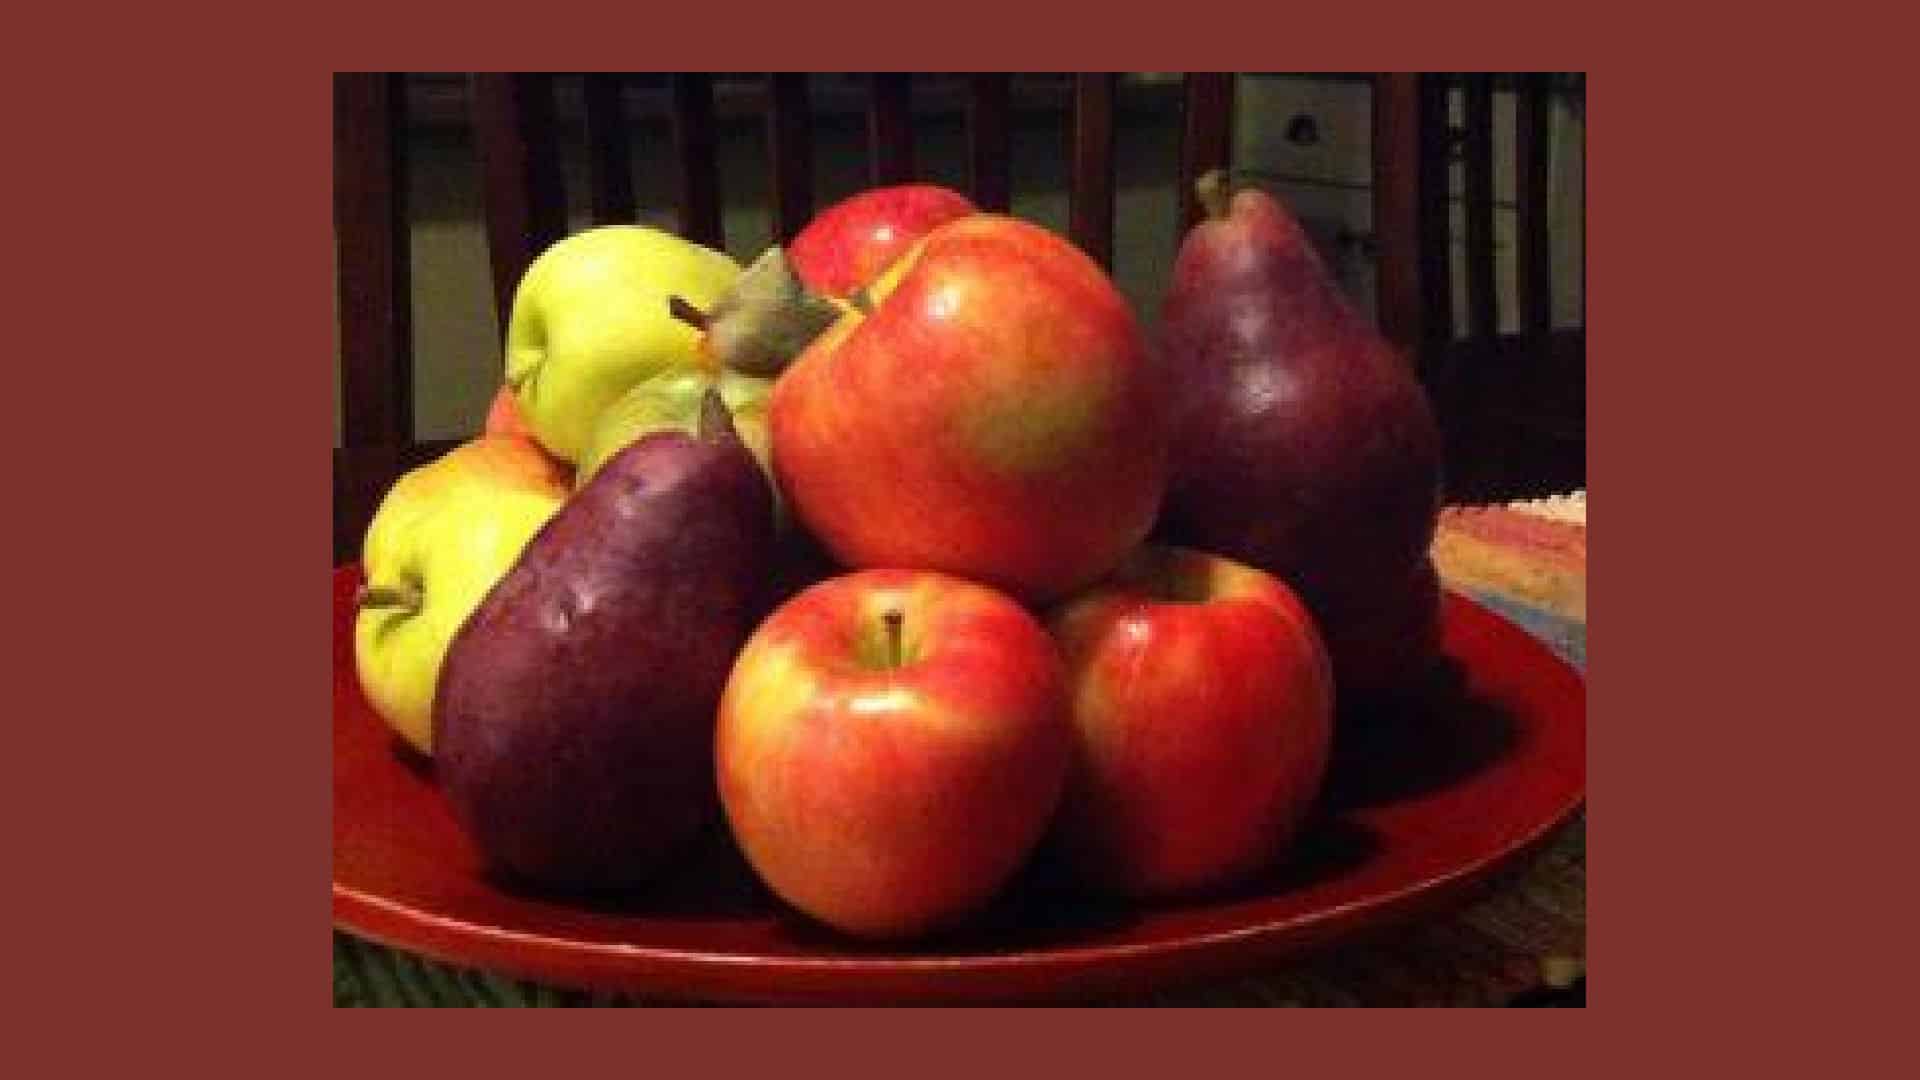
x: 767, y: 318
x: 716, y: 420
x: 680, y: 309
x: 895, y: 651
x: 406, y: 595
x: 1213, y: 192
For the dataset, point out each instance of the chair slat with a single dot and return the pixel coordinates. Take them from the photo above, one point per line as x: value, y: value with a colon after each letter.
x: 609, y: 149
x: 519, y: 149
x: 371, y: 239
x: 1396, y: 204
x: 790, y: 146
x: 987, y: 141
x: 1207, y: 138
x: 1483, y: 301
x: 1531, y: 149
x: 890, y: 128
x: 1090, y: 200
x: 1410, y: 216
x: 697, y: 150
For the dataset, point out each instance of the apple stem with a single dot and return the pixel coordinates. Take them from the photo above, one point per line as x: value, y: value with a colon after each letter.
x: 1213, y: 192
x: 687, y: 313
x: 893, y: 620
x: 861, y: 302
x: 405, y: 595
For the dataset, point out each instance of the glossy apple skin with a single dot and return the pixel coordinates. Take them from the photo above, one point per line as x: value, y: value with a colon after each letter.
x: 1303, y: 443
x: 849, y: 244
x: 1202, y: 725
x: 889, y: 803
x: 996, y: 417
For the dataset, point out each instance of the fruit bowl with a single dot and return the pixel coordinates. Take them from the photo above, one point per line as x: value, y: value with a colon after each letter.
x: 1426, y: 800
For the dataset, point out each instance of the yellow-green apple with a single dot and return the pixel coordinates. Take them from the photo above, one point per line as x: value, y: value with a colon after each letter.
x: 890, y: 747
x: 440, y: 539
x: 761, y: 321
x: 670, y: 401
x: 849, y: 244
x: 995, y: 415
x: 591, y: 319
x: 1203, y: 710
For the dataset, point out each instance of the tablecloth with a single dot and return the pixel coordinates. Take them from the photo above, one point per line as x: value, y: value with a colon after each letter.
x: 1524, y: 560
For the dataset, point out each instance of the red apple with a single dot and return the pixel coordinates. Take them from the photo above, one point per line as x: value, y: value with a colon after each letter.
x: 890, y: 747
x: 504, y: 417
x: 995, y: 416
x: 1203, y: 706
x: 848, y: 244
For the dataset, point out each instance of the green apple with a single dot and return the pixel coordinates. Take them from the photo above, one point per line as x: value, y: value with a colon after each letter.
x: 764, y: 319
x: 591, y: 320
x: 442, y: 537
x: 670, y: 401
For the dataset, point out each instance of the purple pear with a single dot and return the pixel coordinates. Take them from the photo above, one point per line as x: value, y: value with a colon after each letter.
x: 1303, y: 443
x: 574, y: 717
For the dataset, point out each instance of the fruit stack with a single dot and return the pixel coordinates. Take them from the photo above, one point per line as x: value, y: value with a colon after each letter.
x: 905, y: 555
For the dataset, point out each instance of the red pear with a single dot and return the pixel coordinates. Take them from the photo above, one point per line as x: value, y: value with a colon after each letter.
x: 1387, y: 633
x: 573, y: 718
x: 1303, y: 444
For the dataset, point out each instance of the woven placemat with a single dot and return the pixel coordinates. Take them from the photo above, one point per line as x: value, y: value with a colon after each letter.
x: 1526, y: 561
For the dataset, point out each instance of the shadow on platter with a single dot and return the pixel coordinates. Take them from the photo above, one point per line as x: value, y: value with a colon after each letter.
x: 1041, y: 908
x: 710, y: 881
x: 1429, y: 739
x: 412, y: 760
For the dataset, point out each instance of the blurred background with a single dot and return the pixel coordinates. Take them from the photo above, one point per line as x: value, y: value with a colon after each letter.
x: 1305, y: 137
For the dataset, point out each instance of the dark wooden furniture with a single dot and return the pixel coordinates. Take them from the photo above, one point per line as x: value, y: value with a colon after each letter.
x: 1513, y: 406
